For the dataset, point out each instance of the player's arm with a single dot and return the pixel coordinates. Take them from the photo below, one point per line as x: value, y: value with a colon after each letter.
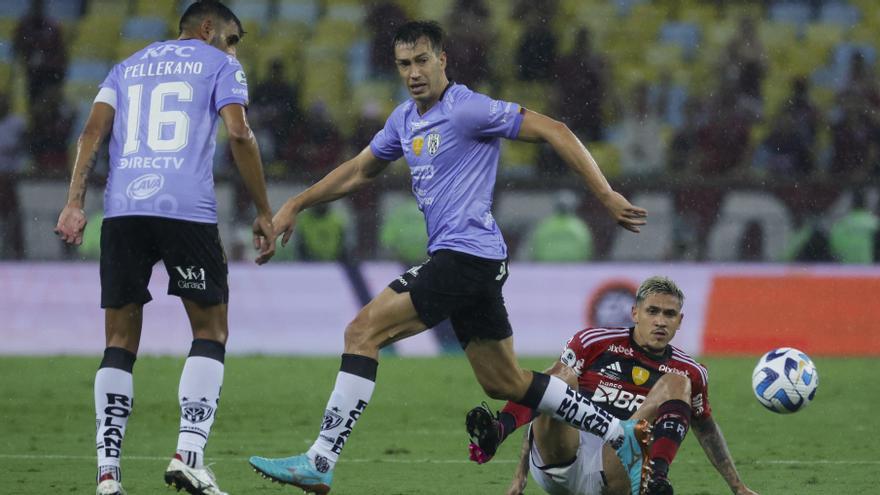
x: 521, y: 475
x: 709, y: 435
x: 72, y: 219
x: 246, y: 154
x: 538, y: 128
x: 340, y: 182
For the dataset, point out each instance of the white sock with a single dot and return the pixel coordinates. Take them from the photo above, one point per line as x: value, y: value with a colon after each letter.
x: 199, y: 396
x: 348, y: 400
x: 114, y: 398
x: 568, y: 406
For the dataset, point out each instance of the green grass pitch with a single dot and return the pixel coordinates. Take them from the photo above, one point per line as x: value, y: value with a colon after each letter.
x: 411, y: 439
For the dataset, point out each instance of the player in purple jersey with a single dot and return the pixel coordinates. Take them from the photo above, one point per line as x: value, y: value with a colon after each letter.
x: 163, y: 105
x: 450, y: 137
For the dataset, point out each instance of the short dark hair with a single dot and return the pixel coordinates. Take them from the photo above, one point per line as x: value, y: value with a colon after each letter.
x: 199, y: 10
x: 412, y: 31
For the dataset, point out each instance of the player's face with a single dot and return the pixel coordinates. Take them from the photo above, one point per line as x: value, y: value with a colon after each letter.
x: 422, y: 70
x: 657, y: 319
x: 226, y: 37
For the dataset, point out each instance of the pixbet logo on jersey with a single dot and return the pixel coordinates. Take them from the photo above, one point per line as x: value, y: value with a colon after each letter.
x: 619, y: 349
x: 191, y: 277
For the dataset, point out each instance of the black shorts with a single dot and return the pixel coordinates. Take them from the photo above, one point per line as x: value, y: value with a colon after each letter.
x: 464, y: 288
x: 192, y: 253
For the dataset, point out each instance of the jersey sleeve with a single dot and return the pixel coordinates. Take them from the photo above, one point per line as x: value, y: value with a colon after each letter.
x: 575, y: 355
x: 700, y: 393
x: 108, y: 89
x: 386, y: 143
x: 231, y: 86
x: 481, y: 116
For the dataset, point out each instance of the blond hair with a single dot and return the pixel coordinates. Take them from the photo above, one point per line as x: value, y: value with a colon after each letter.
x: 658, y: 285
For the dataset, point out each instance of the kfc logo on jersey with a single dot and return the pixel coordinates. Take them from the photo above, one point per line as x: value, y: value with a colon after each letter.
x: 607, y: 393
x: 668, y: 369
x: 619, y: 349
x: 161, y: 51
x: 568, y: 358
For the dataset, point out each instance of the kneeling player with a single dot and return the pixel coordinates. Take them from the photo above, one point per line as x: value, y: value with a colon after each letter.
x: 631, y: 373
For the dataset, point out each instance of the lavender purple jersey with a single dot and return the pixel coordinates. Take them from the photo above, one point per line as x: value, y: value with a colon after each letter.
x: 167, y: 99
x: 452, y: 151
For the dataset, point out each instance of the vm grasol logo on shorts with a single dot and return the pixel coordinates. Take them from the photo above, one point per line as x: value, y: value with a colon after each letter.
x: 145, y: 186
x: 191, y: 277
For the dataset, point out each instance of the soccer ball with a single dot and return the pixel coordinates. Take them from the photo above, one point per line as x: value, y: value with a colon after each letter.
x: 785, y: 380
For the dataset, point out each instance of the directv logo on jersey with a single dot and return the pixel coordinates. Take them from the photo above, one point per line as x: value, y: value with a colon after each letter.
x: 668, y: 369
x: 192, y: 278
x: 619, y: 349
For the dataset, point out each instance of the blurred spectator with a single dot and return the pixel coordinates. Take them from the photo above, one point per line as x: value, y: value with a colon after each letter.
x: 668, y: 98
x: 744, y: 64
x: 804, y: 115
x: 316, y: 147
x: 562, y: 237
x: 274, y: 109
x: 582, y: 87
x: 854, y: 141
x: 12, y: 129
x: 39, y: 45
x: 383, y: 19
x: 785, y: 152
x: 369, y: 122
x: 809, y: 244
x: 751, y: 244
x: 639, y: 137
x: 536, y: 53
x: 470, y: 35
x: 403, y: 233
x: 724, y: 136
x: 852, y: 236
x: 684, y: 151
x: 321, y: 234
x: 861, y: 83
x: 50, y: 132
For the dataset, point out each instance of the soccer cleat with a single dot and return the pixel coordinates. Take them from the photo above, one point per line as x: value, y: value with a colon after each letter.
x: 633, y: 452
x: 195, y: 481
x: 485, y: 433
x: 109, y: 486
x: 298, y: 471
x: 658, y: 487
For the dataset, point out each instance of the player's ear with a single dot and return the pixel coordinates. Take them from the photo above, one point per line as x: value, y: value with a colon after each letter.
x: 206, y: 28
x: 635, y: 312
x: 442, y: 58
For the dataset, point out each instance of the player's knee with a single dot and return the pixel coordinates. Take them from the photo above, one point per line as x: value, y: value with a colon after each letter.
x: 678, y: 386
x: 358, y: 335
x: 502, y: 389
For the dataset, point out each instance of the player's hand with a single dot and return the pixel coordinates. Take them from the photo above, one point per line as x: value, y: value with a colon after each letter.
x: 517, y: 486
x: 71, y: 223
x: 285, y: 221
x: 625, y: 214
x: 264, y: 238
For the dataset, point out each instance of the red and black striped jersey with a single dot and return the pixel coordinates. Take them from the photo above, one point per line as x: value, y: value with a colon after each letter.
x: 617, y: 374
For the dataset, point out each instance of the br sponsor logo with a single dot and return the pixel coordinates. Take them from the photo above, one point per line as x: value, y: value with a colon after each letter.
x: 145, y: 186
x: 615, y: 395
x: 619, y: 349
x: 196, y: 411
x: 669, y: 369
x: 191, y: 277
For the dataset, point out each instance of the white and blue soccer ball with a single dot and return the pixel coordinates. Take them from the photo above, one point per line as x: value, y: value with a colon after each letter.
x: 785, y: 380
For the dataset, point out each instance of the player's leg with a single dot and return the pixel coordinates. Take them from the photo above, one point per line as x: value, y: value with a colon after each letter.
x: 196, y: 266
x: 389, y: 317
x: 556, y: 441
x: 126, y: 266
x: 668, y: 408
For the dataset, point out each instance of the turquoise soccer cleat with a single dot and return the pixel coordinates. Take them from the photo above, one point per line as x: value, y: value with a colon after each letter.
x: 634, y: 452
x: 298, y: 471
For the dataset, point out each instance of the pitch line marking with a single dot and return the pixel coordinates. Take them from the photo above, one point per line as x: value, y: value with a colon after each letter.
x: 426, y: 461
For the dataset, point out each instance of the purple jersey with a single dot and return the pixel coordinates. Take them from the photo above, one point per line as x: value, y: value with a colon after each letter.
x: 167, y: 99
x: 452, y: 151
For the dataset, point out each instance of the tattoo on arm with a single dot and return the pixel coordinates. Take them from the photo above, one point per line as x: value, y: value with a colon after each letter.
x: 79, y: 194
x: 709, y: 435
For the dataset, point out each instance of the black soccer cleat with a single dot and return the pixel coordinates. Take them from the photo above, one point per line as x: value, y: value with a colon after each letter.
x: 484, y: 432
x: 659, y: 486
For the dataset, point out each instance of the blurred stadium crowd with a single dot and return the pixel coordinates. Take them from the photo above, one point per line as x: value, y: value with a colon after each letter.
x: 749, y: 129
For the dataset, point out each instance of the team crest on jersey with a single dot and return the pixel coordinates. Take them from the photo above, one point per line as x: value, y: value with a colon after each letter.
x: 640, y: 375
x: 433, y: 142
x: 417, y: 145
